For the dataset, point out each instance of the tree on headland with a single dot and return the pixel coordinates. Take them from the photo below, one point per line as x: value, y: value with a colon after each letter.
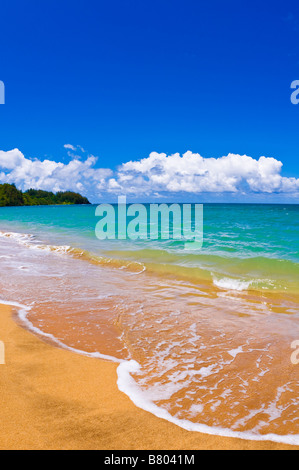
x: 68, y: 197
x: 11, y: 196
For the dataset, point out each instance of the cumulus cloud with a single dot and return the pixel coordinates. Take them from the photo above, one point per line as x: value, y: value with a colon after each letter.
x: 191, y: 173
x: 49, y: 175
x: 154, y: 176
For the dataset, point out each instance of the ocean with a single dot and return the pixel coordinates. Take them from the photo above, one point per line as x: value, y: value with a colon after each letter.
x: 203, y: 337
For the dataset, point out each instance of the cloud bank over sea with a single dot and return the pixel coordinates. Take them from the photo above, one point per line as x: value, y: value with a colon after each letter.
x: 157, y: 176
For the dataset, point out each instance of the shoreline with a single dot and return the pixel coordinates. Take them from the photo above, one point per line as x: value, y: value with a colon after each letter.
x: 55, y: 399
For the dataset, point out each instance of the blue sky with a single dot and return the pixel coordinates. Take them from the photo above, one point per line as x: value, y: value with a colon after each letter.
x: 123, y: 79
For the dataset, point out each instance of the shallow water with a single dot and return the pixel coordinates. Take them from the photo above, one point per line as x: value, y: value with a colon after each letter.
x: 203, y: 339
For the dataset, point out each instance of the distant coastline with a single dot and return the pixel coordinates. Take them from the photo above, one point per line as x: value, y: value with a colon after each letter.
x: 11, y: 196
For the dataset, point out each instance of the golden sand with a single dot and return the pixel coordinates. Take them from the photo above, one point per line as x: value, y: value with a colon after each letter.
x: 54, y: 399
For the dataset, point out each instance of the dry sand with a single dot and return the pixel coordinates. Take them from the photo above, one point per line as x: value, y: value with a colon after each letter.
x: 54, y: 399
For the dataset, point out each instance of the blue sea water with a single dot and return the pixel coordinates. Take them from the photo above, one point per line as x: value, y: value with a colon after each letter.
x: 203, y: 337
x: 245, y: 242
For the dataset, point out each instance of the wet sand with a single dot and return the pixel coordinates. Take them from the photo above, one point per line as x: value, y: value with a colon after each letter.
x: 55, y: 399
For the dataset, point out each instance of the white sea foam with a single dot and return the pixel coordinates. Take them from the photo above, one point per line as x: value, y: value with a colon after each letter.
x: 29, y: 241
x: 232, y: 284
x: 23, y: 311
x: 127, y: 385
x: 19, y: 237
x: 235, y: 352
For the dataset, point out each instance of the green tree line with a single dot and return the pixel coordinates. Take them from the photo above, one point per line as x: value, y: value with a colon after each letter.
x: 11, y: 196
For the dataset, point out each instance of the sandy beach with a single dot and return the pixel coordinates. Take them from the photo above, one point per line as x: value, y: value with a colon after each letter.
x: 54, y: 399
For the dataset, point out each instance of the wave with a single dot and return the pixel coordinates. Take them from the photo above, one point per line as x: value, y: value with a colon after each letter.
x: 232, y: 284
x: 231, y: 273
x: 23, y: 311
x: 30, y: 242
x: 127, y: 385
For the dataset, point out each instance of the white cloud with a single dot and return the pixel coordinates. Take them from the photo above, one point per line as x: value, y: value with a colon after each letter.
x: 154, y: 176
x: 73, y: 151
x: 49, y: 175
x: 70, y: 147
x: 191, y: 173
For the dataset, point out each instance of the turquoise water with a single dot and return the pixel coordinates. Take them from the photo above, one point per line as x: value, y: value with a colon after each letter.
x: 256, y: 244
x: 203, y: 338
